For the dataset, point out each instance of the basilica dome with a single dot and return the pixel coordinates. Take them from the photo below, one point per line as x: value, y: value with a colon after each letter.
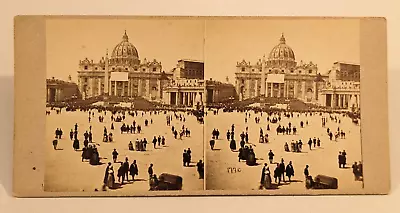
x: 125, y: 52
x: 282, y: 55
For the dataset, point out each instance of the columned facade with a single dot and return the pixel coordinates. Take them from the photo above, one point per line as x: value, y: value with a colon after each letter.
x: 278, y: 76
x: 122, y: 75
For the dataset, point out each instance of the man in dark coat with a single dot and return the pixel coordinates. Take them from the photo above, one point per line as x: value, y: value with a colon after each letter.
x: 277, y: 174
x: 200, y: 169
x: 289, y: 170
x: 309, y: 143
x: 126, y: 169
x: 282, y: 170
x: 184, y: 157
x: 340, y: 159
x: 154, y: 142
x: 134, y: 170
x: 150, y: 170
x: 212, y: 144
x: 121, y: 173
x: 115, y: 155
x: 306, y: 172
x: 270, y: 156
x: 55, y: 142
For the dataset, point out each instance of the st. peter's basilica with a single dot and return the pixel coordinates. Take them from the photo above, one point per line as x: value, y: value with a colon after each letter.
x: 123, y: 74
x: 279, y: 76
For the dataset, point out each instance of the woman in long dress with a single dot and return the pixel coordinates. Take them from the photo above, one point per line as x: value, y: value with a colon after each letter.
x: 233, y: 145
x: 111, y: 178
x: 267, y: 179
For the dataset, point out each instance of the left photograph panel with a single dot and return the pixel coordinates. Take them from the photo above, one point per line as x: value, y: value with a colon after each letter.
x: 124, y: 105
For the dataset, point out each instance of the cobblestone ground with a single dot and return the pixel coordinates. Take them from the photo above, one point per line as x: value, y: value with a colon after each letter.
x: 323, y: 160
x: 65, y: 172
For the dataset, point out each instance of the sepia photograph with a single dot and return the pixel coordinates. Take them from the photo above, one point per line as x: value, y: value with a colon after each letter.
x: 188, y: 106
x: 124, y: 105
x: 283, y: 105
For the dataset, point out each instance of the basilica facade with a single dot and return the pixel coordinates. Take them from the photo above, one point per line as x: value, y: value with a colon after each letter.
x: 122, y: 74
x: 279, y: 76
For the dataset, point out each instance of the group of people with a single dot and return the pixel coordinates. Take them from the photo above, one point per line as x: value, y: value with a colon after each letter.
x: 187, y: 157
x: 279, y: 174
x: 123, y: 173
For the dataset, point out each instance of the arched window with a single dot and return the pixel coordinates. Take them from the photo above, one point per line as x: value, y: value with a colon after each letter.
x: 86, y: 67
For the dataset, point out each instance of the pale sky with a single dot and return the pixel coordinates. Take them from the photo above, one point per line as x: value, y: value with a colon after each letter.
x: 226, y: 41
x: 71, y: 40
x: 321, y: 41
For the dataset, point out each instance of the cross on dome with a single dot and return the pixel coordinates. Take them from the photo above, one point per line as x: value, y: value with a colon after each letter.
x: 283, y: 40
x: 125, y: 37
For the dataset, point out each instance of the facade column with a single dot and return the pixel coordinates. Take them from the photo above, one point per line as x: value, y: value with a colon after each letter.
x: 303, y: 90
x: 148, y: 89
x: 340, y: 101
x: 115, y: 88
x: 159, y: 93
x: 140, y: 87
x: 256, y: 88
x: 263, y: 90
x: 99, y: 86
x: 358, y: 101
x: 279, y: 90
x: 247, y: 88
x: 315, y: 91
x: 285, y: 89
x: 333, y: 100
x: 237, y: 87
x: 129, y: 88
x: 48, y: 95
x: 90, y: 81
x: 123, y: 89
x: 296, y: 87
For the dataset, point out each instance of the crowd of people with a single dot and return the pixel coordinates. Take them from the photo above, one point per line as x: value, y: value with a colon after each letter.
x: 90, y: 151
x: 283, y: 127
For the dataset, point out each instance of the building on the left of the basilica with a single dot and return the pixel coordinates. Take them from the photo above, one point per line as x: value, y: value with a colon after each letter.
x: 123, y: 74
x: 59, y: 90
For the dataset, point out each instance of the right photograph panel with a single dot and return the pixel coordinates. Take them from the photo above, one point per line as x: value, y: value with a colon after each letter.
x: 283, y: 105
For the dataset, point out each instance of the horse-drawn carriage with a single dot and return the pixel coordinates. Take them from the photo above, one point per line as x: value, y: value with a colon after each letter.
x: 166, y: 182
x: 248, y: 155
x: 355, y: 121
x: 321, y: 182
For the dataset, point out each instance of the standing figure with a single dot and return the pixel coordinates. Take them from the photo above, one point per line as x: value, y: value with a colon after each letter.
x: 212, y: 144
x: 115, y: 155
x: 270, y: 156
x: 200, y: 169
x: 289, y: 171
x: 55, y: 143
x: 133, y: 170
x: 150, y: 170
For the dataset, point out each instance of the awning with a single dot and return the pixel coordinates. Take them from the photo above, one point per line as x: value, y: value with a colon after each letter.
x: 276, y: 78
